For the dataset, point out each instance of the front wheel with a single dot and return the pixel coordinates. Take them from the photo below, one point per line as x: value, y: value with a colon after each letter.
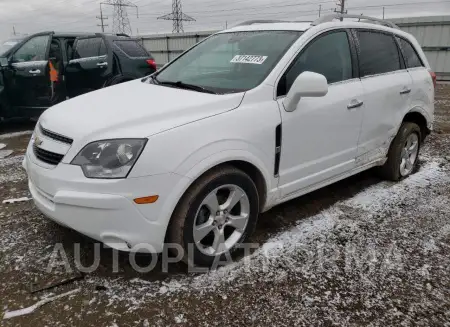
x: 403, y: 154
x: 217, y: 214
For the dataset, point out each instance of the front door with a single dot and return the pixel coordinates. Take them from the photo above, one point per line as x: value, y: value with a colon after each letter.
x: 320, y: 137
x: 90, y: 66
x: 27, y: 77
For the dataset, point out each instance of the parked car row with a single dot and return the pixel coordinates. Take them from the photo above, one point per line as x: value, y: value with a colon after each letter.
x: 43, y: 69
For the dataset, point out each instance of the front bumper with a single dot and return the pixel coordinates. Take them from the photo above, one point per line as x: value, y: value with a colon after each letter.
x: 104, y: 209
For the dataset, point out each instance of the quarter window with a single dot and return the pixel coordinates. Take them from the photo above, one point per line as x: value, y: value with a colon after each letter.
x: 92, y: 47
x: 378, y: 53
x: 33, y: 50
x: 132, y: 48
x: 411, y: 57
x: 328, y: 55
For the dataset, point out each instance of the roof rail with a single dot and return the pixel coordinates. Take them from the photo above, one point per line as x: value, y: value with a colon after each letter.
x: 330, y: 18
x: 259, y: 21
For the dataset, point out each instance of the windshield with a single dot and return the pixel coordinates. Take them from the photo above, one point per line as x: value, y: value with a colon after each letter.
x: 230, y: 62
x: 8, y: 44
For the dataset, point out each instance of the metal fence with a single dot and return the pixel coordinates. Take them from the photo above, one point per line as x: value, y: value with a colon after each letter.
x: 433, y: 34
x: 165, y: 47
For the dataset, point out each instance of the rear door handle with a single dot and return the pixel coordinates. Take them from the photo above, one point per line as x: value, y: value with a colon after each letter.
x: 35, y: 71
x: 406, y: 90
x: 355, y: 104
x: 102, y: 64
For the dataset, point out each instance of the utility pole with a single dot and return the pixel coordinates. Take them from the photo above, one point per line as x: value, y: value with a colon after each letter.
x: 320, y: 9
x: 341, y: 10
x: 383, y: 12
x: 14, y: 30
x: 121, y: 22
x: 177, y: 17
x: 102, y: 19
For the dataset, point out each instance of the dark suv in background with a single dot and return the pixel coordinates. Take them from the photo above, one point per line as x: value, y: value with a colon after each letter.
x: 43, y: 69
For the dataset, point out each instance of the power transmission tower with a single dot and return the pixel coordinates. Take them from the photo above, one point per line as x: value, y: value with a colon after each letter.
x: 177, y: 17
x: 341, y: 6
x: 102, y: 19
x: 121, y: 22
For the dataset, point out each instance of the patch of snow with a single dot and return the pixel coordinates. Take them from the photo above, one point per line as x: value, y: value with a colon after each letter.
x: 10, y: 201
x: 5, y: 153
x: 2, y: 146
x: 15, y: 134
x: 25, y: 311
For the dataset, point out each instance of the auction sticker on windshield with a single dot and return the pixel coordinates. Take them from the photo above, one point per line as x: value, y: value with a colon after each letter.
x: 249, y: 59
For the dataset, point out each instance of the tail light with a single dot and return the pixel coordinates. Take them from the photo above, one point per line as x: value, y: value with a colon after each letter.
x: 151, y: 63
x: 433, y: 77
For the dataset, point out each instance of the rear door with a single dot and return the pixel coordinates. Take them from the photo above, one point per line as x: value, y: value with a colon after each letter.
x: 422, y: 88
x: 387, y: 88
x: 28, y: 74
x: 89, y: 67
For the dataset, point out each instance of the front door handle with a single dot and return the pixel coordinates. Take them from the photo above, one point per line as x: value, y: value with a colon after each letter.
x: 102, y: 64
x: 355, y: 104
x: 406, y: 90
x: 35, y: 71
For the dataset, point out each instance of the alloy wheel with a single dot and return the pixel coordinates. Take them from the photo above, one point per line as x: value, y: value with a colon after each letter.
x: 221, y: 220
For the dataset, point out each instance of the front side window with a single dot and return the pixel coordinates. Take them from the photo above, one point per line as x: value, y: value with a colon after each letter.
x: 378, y: 53
x: 230, y: 62
x: 34, y: 49
x: 92, y: 47
x: 328, y: 55
x: 411, y: 57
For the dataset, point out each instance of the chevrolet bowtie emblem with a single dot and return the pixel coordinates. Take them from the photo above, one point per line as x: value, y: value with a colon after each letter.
x: 38, y: 141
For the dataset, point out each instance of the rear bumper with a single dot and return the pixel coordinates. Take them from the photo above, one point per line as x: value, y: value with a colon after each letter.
x: 104, y: 209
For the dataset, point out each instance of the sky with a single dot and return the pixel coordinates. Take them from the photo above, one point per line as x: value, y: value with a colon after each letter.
x: 31, y: 16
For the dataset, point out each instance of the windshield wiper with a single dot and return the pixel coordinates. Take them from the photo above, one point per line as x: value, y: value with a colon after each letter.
x: 185, y: 86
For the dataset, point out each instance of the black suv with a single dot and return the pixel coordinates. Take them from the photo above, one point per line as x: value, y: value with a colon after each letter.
x: 43, y: 69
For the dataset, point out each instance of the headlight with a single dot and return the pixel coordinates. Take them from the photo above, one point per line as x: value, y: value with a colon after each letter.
x: 109, y: 158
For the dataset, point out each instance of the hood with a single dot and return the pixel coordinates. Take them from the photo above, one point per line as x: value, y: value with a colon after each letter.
x: 133, y: 110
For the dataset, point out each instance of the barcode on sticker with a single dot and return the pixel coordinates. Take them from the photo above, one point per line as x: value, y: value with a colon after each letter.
x: 249, y: 59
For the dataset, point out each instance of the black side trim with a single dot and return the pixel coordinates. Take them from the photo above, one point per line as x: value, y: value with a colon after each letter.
x: 278, y: 135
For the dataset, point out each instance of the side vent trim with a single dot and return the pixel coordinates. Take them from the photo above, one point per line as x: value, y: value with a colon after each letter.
x: 278, y: 137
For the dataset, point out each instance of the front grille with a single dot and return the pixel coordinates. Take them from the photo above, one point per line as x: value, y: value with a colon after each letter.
x: 55, y: 136
x: 47, y: 156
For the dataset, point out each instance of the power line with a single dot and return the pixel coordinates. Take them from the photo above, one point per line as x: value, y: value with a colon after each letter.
x: 177, y: 17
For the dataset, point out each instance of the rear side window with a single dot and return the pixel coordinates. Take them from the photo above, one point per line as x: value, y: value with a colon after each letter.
x: 328, y: 55
x: 378, y: 53
x: 92, y: 47
x: 412, y: 59
x: 132, y: 48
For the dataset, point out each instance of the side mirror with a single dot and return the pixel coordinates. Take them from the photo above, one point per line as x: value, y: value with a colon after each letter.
x: 307, y: 84
x: 4, y: 62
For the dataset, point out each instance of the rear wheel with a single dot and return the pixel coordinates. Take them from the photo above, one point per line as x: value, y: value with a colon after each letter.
x: 215, y: 216
x: 403, y: 154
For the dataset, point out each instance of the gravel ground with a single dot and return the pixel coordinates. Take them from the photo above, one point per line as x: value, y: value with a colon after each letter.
x: 361, y: 252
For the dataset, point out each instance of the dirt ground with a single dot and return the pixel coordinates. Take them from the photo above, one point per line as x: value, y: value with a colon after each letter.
x: 361, y: 252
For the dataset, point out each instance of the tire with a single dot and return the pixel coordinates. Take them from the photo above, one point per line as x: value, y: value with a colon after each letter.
x: 392, y: 169
x: 192, y: 212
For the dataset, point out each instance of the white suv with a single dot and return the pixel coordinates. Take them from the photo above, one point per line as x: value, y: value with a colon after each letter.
x: 247, y: 119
